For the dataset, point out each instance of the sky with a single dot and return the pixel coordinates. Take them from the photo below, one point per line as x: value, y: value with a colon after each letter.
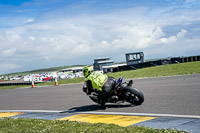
x: 38, y: 34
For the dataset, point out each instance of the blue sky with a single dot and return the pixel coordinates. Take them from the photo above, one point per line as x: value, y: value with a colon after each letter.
x: 46, y: 33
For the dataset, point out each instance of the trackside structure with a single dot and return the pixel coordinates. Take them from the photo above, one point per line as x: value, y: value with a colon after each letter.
x: 134, y: 58
x: 136, y: 61
x: 158, y: 62
x: 100, y: 62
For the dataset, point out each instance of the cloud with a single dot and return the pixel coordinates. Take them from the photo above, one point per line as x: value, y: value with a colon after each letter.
x: 28, y: 21
x: 64, y: 40
x: 32, y: 38
x: 8, y: 67
x: 173, y: 39
x: 190, y: 1
x: 181, y: 34
x: 47, y: 58
x: 9, y: 52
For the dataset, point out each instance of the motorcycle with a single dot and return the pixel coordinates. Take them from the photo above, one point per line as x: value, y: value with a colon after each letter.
x: 121, y: 92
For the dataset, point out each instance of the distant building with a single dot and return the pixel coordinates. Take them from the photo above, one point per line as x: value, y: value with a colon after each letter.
x: 100, y: 62
x: 112, y: 68
x: 73, y: 72
x: 134, y: 58
x: 73, y: 69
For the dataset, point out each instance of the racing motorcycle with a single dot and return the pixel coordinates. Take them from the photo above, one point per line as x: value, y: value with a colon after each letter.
x: 121, y: 92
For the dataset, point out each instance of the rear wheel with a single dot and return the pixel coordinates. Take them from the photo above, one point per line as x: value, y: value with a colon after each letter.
x: 133, y: 95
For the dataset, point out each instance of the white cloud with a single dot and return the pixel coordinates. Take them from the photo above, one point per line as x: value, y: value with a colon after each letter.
x: 8, y: 67
x: 47, y: 58
x: 68, y: 40
x: 182, y: 33
x: 12, y: 35
x: 172, y: 39
x: 28, y: 21
x: 9, y: 52
x: 190, y: 1
x: 32, y: 38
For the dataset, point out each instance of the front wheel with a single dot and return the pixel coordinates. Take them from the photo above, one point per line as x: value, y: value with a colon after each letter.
x: 133, y: 95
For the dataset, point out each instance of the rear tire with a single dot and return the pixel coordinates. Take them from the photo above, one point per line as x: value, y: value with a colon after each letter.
x: 133, y: 95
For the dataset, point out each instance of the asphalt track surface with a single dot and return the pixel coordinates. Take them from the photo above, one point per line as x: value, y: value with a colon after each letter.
x: 164, y: 95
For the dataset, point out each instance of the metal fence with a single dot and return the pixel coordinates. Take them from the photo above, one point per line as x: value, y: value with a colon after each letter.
x: 16, y: 83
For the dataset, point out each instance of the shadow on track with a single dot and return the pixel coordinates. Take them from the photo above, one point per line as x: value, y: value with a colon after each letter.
x: 96, y: 107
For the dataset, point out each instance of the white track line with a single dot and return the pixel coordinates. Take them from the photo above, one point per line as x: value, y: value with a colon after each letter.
x: 33, y: 111
x: 144, y: 114
x: 106, y: 113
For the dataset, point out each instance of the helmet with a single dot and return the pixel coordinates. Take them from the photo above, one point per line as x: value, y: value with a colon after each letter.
x: 87, y: 70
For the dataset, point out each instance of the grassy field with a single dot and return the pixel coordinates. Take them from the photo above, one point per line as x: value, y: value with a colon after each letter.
x: 9, y: 125
x: 164, y: 70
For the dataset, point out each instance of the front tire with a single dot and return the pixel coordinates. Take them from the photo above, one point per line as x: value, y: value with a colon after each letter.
x: 133, y: 95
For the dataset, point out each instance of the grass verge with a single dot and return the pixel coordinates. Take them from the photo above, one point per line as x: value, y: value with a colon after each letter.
x: 164, y: 70
x: 13, y: 87
x: 9, y: 125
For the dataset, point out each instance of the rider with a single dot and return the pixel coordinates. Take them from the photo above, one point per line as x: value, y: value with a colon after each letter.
x: 97, y: 80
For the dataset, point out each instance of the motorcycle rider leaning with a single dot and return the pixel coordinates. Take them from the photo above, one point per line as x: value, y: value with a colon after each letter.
x: 97, y: 81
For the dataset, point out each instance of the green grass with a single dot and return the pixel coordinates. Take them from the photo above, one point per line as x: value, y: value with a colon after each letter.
x: 66, y: 81
x: 9, y: 125
x: 13, y: 87
x: 164, y: 70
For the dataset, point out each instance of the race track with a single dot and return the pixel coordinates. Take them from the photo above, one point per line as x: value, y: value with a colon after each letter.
x: 164, y: 95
